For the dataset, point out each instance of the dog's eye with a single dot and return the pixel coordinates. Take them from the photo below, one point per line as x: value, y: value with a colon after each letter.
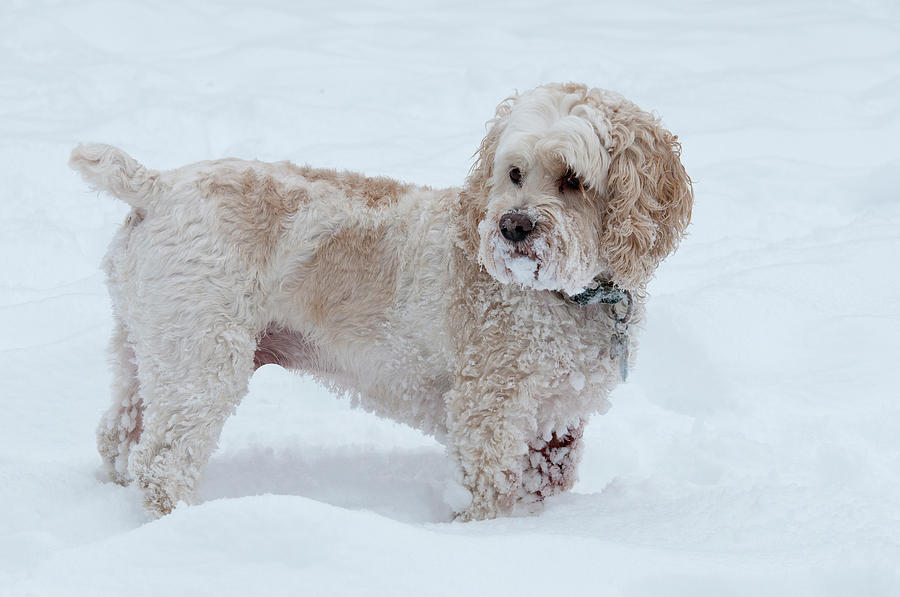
x: 570, y: 182
x: 515, y: 175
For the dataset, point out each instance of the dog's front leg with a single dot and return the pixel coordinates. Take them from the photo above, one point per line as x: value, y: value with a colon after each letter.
x: 489, y: 421
x: 551, y: 464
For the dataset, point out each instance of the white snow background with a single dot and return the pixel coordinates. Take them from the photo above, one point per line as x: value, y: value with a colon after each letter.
x: 754, y: 451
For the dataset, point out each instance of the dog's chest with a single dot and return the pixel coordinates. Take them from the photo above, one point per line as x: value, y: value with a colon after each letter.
x: 576, y: 345
x: 565, y: 354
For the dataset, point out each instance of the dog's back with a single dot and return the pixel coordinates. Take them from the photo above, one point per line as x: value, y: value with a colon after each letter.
x: 340, y: 275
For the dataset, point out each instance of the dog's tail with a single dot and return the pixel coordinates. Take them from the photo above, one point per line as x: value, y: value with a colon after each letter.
x: 108, y: 168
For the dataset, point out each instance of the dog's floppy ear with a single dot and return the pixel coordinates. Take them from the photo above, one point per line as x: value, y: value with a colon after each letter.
x: 473, y: 198
x: 649, y: 195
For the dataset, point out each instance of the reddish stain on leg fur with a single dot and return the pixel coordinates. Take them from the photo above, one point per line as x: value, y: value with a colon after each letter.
x: 553, y: 463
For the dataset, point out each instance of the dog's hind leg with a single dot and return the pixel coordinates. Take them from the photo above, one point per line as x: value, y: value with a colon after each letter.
x: 120, y: 428
x: 193, y: 381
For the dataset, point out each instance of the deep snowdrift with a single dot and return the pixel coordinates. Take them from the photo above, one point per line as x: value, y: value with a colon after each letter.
x: 755, y: 449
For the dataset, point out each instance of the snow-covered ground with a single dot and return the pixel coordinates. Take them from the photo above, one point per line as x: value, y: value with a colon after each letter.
x: 756, y: 448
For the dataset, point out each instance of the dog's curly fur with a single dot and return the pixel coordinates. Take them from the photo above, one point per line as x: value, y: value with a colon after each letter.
x: 408, y: 298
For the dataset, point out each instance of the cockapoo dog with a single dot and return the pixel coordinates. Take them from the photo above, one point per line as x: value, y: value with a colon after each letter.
x: 496, y: 317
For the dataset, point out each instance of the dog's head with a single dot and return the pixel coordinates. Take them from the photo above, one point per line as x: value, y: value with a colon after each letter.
x: 572, y: 184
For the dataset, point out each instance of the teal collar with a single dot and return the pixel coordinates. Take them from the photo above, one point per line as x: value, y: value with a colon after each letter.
x: 602, y: 292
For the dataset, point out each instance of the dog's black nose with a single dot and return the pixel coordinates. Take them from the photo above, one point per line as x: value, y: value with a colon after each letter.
x: 515, y: 226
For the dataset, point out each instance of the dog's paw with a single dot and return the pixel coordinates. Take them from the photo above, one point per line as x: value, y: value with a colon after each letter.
x: 157, y: 500
x: 472, y: 513
x: 492, y: 496
x: 162, y: 475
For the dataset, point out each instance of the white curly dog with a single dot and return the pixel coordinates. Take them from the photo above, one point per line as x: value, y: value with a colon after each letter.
x: 496, y: 317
